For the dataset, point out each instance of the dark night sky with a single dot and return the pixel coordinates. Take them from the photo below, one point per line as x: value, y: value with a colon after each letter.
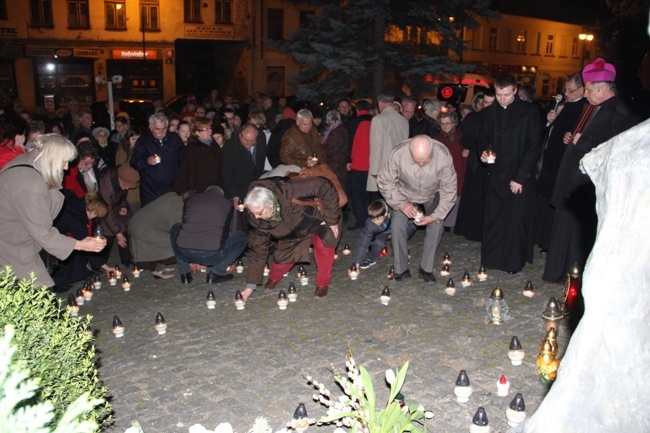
x: 582, y: 12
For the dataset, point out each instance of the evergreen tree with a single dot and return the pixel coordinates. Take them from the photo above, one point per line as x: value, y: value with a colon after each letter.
x: 365, y: 46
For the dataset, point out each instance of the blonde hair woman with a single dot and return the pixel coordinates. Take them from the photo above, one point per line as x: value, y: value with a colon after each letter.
x: 29, y: 201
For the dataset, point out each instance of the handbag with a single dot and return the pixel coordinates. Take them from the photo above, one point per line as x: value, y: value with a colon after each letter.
x: 324, y: 170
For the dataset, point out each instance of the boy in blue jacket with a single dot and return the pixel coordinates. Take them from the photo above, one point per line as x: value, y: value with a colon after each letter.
x: 375, y: 234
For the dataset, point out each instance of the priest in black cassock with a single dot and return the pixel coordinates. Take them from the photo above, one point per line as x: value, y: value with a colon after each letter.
x: 513, y: 130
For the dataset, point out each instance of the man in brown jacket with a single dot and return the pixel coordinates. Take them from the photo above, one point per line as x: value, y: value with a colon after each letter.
x: 301, y: 141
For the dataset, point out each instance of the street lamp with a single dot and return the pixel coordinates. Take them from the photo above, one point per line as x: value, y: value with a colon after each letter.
x: 584, y: 37
x: 115, y: 79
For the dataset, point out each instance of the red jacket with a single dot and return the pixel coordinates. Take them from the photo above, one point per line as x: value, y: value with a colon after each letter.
x: 361, y: 145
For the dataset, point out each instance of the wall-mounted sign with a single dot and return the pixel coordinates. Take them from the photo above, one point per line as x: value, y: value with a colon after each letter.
x: 63, y: 52
x: 135, y: 54
x: 209, y: 32
x: 40, y: 52
x: 86, y: 52
x: 9, y: 31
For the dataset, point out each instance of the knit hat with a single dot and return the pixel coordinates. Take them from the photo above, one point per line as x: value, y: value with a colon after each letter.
x: 129, y: 176
x: 599, y: 70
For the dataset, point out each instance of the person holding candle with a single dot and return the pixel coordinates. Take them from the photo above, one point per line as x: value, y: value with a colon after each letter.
x: 419, y: 173
x: 302, y: 142
x: 375, y: 234
x: 513, y: 129
x: 29, y: 201
x: 294, y: 212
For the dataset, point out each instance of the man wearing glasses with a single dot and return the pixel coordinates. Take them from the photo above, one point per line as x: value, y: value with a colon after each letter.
x: 559, y: 122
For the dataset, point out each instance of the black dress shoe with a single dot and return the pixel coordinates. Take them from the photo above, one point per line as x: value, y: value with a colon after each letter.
x: 214, y: 278
x: 427, y: 276
x: 403, y: 275
x: 186, y: 278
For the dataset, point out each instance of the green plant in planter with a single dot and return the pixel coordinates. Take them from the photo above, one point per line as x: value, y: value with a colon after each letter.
x: 17, y: 389
x: 55, y: 347
x: 357, y: 408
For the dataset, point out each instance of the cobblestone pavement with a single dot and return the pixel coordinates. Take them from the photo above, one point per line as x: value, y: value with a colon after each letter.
x: 224, y: 365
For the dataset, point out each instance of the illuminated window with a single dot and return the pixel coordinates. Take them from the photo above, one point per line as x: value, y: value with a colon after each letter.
x: 520, y: 41
x: 41, y: 13
x: 115, y: 15
x: 192, y: 10
x: 149, y: 15
x: 223, y: 12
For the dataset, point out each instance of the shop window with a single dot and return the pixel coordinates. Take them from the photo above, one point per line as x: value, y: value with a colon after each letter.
x: 40, y: 12
x: 78, y: 17
x: 574, y: 48
x: 115, y: 15
x: 223, y: 11
x: 3, y: 10
x: 275, y: 24
x: 192, y: 11
x: 149, y: 15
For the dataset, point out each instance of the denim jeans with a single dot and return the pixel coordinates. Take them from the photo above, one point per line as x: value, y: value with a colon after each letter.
x: 219, y: 260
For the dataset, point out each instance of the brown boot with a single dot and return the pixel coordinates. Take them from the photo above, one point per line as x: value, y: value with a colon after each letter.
x: 321, y: 291
x: 271, y: 284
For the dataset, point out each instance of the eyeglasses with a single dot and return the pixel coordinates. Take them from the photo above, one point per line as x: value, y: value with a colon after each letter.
x: 570, y: 92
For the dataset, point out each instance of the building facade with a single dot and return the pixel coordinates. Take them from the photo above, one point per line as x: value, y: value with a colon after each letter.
x: 53, y: 50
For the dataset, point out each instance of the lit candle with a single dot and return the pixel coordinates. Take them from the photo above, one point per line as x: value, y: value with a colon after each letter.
x: 98, y: 233
x: 97, y: 283
x: 126, y: 284
x: 391, y: 272
x: 482, y: 273
x: 111, y: 278
x: 451, y: 287
x: 529, y: 291
x: 446, y: 259
x: 239, y: 300
x: 283, y: 301
x: 346, y: 250
x: 157, y: 158
x: 314, y: 159
x: 552, y: 315
x: 161, y: 325
x: 418, y: 216
x: 136, y: 271
x: 304, y: 279
x: 266, y: 269
x: 467, y: 280
x: 491, y: 155
x: 74, y: 307
x: 240, y: 266
x: 240, y: 206
x: 118, y: 271
x: 445, y: 271
x: 118, y: 328
x: 384, y: 252
x: 353, y: 272
x: 480, y: 422
x: 79, y: 296
x: 292, y: 293
x: 211, y: 301
x: 496, y: 306
x: 87, y: 292
x: 385, y: 296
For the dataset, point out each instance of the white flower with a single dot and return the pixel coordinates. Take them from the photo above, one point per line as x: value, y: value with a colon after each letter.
x: 198, y: 428
x: 390, y: 376
x: 132, y: 430
x: 223, y: 428
x: 339, y: 430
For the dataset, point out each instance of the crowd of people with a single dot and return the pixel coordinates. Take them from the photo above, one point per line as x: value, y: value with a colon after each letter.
x: 204, y: 188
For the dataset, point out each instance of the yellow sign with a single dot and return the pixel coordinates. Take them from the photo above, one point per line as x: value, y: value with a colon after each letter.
x: 209, y: 32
